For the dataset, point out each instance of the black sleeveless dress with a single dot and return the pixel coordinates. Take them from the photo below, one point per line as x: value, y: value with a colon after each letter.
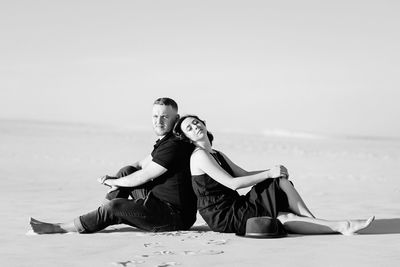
x: 224, y: 210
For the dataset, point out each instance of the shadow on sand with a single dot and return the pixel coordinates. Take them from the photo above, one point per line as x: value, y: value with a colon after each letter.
x: 378, y: 227
x: 128, y: 229
x: 382, y: 227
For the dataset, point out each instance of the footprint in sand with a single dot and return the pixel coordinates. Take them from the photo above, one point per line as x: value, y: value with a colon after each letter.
x: 152, y: 245
x: 142, y: 256
x: 167, y: 264
x: 217, y: 242
x: 193, y: 235
x: 122, y: 263
x: 190, y: 237
x: 164, y: 252
x: 126, y: 263
x: 177, y: 233
x: 203, y: 252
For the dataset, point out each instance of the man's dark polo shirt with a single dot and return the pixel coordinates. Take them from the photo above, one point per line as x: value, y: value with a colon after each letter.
x: 174, y: 186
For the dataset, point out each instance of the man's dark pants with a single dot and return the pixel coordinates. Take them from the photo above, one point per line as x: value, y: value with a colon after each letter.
x: 125, y: 192
x: 144, y: 211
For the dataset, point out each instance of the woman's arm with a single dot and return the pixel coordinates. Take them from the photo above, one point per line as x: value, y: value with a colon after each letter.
x: 238, y: 171
x: 203, y: 162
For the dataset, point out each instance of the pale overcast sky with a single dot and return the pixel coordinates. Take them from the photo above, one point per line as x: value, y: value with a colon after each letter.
x: 330, y: 67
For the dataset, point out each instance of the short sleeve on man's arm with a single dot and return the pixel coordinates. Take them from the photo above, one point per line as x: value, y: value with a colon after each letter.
x: 166, y: 154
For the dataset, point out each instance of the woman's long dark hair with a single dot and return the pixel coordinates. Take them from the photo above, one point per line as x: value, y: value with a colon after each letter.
x: 181, y: 135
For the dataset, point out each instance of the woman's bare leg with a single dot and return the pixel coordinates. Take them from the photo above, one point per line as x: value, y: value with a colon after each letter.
x: 312, y: 226
x: 296, y: 203
x: 52, y: 228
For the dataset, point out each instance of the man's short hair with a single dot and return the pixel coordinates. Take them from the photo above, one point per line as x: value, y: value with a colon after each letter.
x: 166, y: 101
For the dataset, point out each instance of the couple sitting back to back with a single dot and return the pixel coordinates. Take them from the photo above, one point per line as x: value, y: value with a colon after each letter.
x: 184, y: 173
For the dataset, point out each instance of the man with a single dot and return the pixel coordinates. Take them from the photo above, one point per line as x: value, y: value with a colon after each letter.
x: 165, y: 114
x: 160, y: 187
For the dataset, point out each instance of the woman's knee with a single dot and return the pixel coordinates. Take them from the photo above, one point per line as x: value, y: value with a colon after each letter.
x: 287, y: 187
x: 283, y: 182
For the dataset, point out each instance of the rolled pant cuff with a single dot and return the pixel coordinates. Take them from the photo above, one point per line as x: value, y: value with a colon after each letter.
x: 78, y: 225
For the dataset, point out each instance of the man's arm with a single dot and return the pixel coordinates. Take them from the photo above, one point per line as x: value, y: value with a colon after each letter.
x: 153, y: 166
x: 148, y: 171
x: 142, y: 163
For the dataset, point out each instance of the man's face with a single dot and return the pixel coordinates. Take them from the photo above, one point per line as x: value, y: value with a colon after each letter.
x: 164, y: 118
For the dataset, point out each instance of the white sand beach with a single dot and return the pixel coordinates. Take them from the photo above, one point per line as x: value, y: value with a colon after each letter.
x: 49, y: 172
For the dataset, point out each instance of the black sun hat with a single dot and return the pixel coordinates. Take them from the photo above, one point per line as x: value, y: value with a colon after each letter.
x: 263, y: 227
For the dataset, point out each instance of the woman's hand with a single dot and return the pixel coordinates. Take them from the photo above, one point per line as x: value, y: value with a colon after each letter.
x: 278, y: 171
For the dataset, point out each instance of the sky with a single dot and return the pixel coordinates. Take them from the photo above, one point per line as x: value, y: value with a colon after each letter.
x: 326, y: 67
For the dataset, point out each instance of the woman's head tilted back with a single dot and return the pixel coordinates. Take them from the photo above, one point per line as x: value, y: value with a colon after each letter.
x: 191, y: 128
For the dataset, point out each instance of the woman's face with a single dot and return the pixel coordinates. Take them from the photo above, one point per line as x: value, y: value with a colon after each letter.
x: 194, y: 129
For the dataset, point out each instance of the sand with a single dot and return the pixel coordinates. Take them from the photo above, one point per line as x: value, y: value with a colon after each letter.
x: 49, y: 172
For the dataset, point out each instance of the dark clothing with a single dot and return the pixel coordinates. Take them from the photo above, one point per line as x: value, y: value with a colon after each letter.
x: 169, y: 202
x: 224, y: 210
x: 149, y: 214
x: 174, y: 186
x: 126, y: 192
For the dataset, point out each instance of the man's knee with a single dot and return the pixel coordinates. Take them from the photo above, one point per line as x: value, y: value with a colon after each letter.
x: 113, y: 205
x: 121, y: 192
x: 125, y: 171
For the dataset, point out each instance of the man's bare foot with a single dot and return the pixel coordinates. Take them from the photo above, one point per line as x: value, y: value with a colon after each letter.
x: 353, y: 226
x: 46, y: 228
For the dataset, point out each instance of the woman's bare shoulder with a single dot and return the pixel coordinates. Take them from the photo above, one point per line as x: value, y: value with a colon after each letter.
x: 199, y: 152
x: 199, y: 156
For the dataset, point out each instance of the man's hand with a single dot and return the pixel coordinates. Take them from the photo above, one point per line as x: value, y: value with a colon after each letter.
x: 278, y: 171
x: 103, y: 180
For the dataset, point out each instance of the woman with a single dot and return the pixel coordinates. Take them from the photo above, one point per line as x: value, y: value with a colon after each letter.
x: 215, y: 179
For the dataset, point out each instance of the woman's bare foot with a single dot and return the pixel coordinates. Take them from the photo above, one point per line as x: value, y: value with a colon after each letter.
x: 46, y: 228
x: 353, y: 226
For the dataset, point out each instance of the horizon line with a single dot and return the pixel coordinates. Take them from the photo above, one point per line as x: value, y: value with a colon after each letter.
x: 278, y: 133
